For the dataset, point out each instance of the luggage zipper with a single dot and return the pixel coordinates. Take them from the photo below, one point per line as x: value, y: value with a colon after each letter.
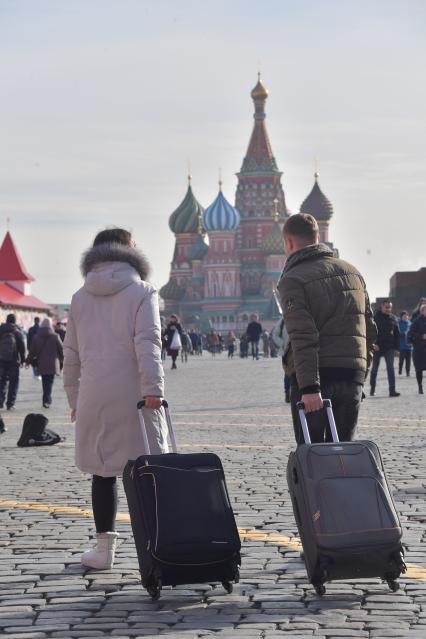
x: 206, y: 563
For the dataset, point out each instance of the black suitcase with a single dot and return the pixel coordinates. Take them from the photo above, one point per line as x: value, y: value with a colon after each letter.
x: 344, y: 510
x: 182, y: 520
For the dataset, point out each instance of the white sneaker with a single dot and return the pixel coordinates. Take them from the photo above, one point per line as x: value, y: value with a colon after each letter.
x: 102, y: 556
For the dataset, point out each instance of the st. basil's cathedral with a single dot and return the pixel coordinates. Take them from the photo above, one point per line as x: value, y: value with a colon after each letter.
x: 219, y: 284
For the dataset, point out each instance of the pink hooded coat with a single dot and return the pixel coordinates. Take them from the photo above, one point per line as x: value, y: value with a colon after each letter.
x: 113, y: 359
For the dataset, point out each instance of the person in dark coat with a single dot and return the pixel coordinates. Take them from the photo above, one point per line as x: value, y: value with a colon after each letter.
x: 405, y: 348
x: 173, y: 326
x: 60, y: 330
x: 12, y: 356
x: 416, y: 312
x: 417, y: 335
x: 253, y: 331
x: 386, y: 344
x: 32, y: 331
x: 46, y: 348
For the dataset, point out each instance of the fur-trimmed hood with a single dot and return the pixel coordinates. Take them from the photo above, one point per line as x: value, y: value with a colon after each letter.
x: 108, y: 268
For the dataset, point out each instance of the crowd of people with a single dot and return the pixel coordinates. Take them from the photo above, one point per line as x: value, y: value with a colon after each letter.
x: 253, y: 343
x: 41, y: 348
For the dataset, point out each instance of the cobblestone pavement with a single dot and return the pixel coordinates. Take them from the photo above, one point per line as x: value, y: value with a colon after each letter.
x: 235, y: 408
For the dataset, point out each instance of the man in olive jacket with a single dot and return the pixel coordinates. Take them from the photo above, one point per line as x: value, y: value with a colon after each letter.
x: 331, y: 330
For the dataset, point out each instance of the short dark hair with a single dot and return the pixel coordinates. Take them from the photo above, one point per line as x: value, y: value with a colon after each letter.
x: 113, y: 236
x: 11, y: 319
x: 36, y: 320
x: 385, y: 302
x: 302, y: 225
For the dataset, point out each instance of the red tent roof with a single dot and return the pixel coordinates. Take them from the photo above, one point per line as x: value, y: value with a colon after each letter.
x: 12, y: 268
x: 9, y: 296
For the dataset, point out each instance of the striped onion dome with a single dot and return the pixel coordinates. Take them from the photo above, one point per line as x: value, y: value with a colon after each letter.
x: 221, y: 216
x: 199, y: 249
x: 317, y: 204
x: 273, y: 243
x: 172, y: 290
x: 185, y: 218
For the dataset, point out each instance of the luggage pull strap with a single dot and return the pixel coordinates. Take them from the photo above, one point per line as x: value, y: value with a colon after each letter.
x: 329, y: 410
x: 165, y: 405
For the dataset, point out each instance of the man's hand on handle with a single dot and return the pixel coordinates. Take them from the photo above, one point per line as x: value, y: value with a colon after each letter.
x: 312, y: 402
x: 152, y: 401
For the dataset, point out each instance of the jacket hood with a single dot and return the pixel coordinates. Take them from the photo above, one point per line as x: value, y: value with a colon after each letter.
x: 310, y: 252
x: 44, y: 331
x: 109, y: 268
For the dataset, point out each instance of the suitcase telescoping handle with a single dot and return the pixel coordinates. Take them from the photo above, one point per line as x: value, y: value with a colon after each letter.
x: 165, y: 405
x: 327, y: 405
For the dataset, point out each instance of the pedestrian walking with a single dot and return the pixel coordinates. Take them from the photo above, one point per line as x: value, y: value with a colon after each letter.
x: 60, y: 330
x: 173, y: 338
x: 213, y: 342
x: 405, y: 348
x: 230, y: 344
x: 331, y: 331
x: 279, y: 337
x: 47, y: 356
x: 253, y: 331
x: 32, y: 331
x: 265, y: 342
x: 417, y: 335
x: 244, y: 345
x: 113, y: 360
x: 385, y: 346
x: 12, y: 357
x: 416, y: 312
x: 186, y: 346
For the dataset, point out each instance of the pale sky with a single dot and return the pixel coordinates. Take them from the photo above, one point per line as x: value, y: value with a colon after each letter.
x: 104, y: 103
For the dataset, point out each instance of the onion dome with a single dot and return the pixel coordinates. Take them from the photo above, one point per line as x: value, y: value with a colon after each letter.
x: 199, y: 249
x: 316, y: 204
x: 172, y: 290
x: 221, y: 215
x: 259, y: 91
x: 185, y: 218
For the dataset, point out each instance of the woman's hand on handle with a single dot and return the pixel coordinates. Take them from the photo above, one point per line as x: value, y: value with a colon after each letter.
x: 151, y: 401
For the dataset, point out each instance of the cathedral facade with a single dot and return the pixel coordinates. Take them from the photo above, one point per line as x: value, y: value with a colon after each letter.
x: 220, y: 282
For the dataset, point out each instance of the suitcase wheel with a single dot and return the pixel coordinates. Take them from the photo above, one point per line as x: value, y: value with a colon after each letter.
x: 228, y: 586
x: 393, y: 585
x: 154, y: 587
x: 320, y: 589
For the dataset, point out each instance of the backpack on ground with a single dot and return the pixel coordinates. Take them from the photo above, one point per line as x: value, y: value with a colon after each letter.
x: 7, y: 347
x: 35, y: 433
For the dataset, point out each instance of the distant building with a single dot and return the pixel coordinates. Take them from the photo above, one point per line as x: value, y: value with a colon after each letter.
x: 15, y: 287
x: 221, y: 283
x: 406, y: 289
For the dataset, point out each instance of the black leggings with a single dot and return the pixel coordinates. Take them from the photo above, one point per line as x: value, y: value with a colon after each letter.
x: 104, y: 503
x: 419, y: 376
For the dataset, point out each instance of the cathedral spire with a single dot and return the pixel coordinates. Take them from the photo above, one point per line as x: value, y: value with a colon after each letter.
x: 259, y: 155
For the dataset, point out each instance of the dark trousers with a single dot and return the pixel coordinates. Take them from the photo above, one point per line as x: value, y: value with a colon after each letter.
x: 104, y: 503
x: 47, y: 383
x: 255, y: 348
x: 9, y: 373
x: 389, y: 357
x: 345, y: 400
x: 231, y: 349
x: 405, y: 356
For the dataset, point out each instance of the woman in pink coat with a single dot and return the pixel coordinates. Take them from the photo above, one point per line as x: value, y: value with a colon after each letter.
x: 113, y: 360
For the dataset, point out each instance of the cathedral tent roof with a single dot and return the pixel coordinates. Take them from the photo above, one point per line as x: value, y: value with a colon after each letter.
x: 185, y: 218
x: 12, y: 268
x: 317, y: 204
x: 273, y: 244
x: 221, y: 215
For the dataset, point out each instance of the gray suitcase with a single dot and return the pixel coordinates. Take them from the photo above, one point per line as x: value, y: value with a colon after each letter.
x: 344, y: 510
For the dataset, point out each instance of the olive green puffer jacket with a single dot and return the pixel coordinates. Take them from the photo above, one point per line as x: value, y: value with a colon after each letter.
x: 328, y: 317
